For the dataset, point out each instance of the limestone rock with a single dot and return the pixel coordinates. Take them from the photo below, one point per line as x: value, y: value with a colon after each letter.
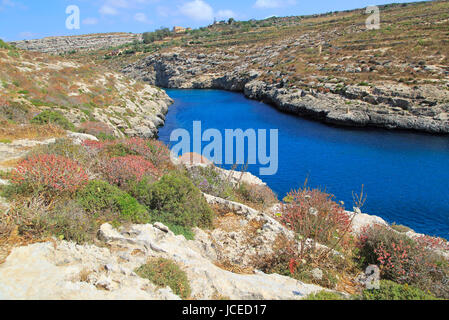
x: 68, y: 271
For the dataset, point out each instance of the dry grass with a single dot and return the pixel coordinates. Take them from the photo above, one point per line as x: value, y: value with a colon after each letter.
x: 229, y: 266
x: 10, y: 239
x: 84, y: 275
x: 228, y: 222
x: 10, y: 163
x: 9, y: 131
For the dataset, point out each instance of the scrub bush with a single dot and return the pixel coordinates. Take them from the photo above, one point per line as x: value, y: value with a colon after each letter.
x: 152, y: 150
x: 164, y: 272
x: 47, y: 117
x: 324, y: 295
x: 122, y: 170
x: 312, y: 214
x: 98, y: 129
x: 404, y: 260
x: 159, y: 154
x: 392, y: 291
x: 101, y: 198
x: 209, y: 181
x: 174, y: 200
x: 262, y: 197
x: 49, y: 174
x: 67, y: 221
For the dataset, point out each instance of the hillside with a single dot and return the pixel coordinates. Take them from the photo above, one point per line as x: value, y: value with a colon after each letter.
x: 82, y: 93
x: 92, y: 206
x: 75, y: 43
x: 328, y: 67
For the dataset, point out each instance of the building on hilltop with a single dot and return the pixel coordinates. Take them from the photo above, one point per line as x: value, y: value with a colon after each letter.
x: 179, y: 29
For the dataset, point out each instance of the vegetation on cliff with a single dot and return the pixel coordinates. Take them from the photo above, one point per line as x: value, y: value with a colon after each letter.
x: 66, y: 190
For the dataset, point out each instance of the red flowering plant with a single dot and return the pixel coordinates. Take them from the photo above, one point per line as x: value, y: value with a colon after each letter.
x: 122, y: 170
x: 97, y: 145
x: 152, y: 150
x: 313, y: 214
x: 433, y: 243
x: 49, y: 174
x: 405, y: 260
x: 316, y: 219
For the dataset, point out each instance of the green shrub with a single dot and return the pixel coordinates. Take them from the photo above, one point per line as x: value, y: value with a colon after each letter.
x: 324, y: 295
x: 67, y: 220
x: 101, y: 197
x: 165, y: 272
x: 48, y: 116
x: 180, y: 230
x: 4, y: 45
x: 174, y: 200
x: 390, y: 290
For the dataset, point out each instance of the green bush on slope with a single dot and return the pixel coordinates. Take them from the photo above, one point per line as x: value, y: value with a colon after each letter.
x: 390, y: 290
x: 165, y: 272
x: 101, y: 197
x: 47, y: 116
x: 174, y: 200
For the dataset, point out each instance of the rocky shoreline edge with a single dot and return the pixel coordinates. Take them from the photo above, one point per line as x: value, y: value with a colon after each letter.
x: 390, y: 106
x: 60, y: 269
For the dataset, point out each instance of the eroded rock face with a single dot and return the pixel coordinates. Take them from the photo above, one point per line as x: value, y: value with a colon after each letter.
x: 64, y: 270
x: 67, y: 271
x: 362, y: 220
x: 387, y: 105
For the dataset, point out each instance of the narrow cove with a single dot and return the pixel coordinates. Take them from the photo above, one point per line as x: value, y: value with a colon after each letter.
x: 405, y: 174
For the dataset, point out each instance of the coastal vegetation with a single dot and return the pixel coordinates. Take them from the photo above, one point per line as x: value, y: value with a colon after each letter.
x: 82, y: 164
x: 164, y: 272
x: 68, y: 191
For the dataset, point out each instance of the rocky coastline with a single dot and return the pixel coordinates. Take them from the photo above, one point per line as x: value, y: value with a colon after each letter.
x: 60, y: 269
x: 390, y: 105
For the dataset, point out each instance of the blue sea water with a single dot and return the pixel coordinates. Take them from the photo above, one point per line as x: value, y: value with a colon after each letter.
x: 405, y: 175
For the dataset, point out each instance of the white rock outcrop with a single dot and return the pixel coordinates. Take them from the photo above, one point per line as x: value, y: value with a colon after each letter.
x: 64, y: 270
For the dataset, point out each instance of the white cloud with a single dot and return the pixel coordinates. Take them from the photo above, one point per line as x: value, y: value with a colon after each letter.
x: 141, y: 17
x: 8, y: 3
x: 197, y: 10
x: 117, y: 7
x: 90, y: 21
x: 108, y: 10
x: 271, y: 4
x: 225, y: 14
x: 4, y: 4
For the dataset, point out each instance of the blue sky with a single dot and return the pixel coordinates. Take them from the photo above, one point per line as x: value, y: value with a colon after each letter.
x: 30, y: 19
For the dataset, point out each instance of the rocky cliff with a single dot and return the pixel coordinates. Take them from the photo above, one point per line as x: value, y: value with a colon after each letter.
x: 83, y: 93
x: 77, y: 43
x: 387, y: 105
